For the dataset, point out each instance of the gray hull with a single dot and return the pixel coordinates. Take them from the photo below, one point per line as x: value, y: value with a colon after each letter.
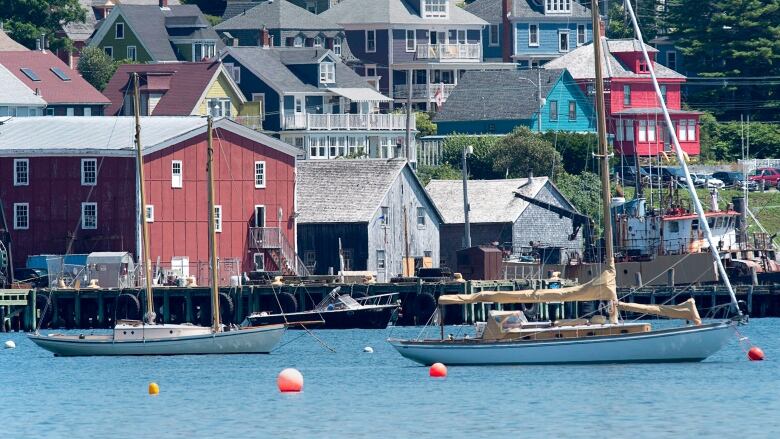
x: 687, y: 344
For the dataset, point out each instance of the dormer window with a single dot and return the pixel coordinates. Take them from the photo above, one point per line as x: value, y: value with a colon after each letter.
x: 327, y: 72
x: 436, y: 8
x: 298, y: 41
x: 317, y: 41
x: 557, y: 6
x: 643, y: 66
x: 203, y: 49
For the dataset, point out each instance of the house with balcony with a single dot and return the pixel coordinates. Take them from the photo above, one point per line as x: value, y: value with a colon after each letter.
x: 414, y: 50
x: 317, y: 103
x: 532, y: 32
x: 156, y: 33
x: 634, y: 115
x: 181, y: 89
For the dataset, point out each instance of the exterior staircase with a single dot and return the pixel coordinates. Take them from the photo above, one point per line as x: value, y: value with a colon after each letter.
x: 278, y: 247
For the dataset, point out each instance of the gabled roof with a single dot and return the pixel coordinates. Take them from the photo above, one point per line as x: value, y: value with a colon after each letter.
x: 534, y: 9
x: 491, y: 201
x: 346, y: 190
x: 271, y: 66
x: 185, y: 84
x: 361, y: 12
x: 8, y: 44
x: 55, y: 91
x: 488, y: 10
x: 278, y: 14
x: 497, y: 95
x: 14, y: 92
x: 111, y: 135
x: 233, y: 8
x: 82, y: 31
x: 579, y: 62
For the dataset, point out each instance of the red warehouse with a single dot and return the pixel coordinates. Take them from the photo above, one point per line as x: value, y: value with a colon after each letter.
x: 68, y: 185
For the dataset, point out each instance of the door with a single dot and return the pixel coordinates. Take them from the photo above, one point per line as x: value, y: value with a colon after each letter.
x: 259, y: 217
x: 259, y: 260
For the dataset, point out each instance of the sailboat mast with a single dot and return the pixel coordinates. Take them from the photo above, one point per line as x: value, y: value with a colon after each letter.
x: 212, y: 228
x: 146, y: 259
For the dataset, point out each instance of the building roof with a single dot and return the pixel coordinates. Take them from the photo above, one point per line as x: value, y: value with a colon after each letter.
x: 53, y: 89
x: 579, y: 62
x: 233, y: 8
x: 280, y: 14
x: 492, y: 11
x: 344, y: 191
x: 491, y: 201
x: 182, y: 88
x: 8, y: 44
x: 82, y: 31
x: 111, y: 135
x: 488, y: 10
x: 361, y: 12
x: 497, y: 95
x: 271, y: 65
x: 14, y: 92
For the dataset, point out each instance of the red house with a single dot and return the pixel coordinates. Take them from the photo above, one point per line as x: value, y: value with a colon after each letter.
x: 634, y: 115
x: 68, y: 185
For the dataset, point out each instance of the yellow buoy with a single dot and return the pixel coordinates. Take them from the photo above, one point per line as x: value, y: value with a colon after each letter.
x: 154, y: 389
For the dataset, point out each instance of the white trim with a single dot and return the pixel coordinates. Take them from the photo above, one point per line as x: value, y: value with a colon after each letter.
x: 135, y: 53
x: 414, y: 40
x: 366, y: 40
x: 16, y: 216
x: 218, y: 218
x: 584, y: 34
x: 106, y: 49
x: 177, y: 183
x: 17, y: 181
x: 84, y: 181
x: 84, y: 217
x: 492, y: 43
x: 108, y: 23
x: 116, y: 31
x: 254, y: 215
x: 263, y: 175
x: 149, y: 213
x: 262, y: 257
x: 536, y: 44
x: 562, y: 32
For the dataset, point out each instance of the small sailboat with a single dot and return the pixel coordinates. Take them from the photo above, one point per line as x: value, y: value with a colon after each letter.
x: 508, y: 338
x: 132, y: 337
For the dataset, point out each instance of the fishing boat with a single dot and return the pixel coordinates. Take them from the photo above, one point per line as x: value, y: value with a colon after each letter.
x: 337, y: 311
x: 133, y: 337
x: 508, y: 338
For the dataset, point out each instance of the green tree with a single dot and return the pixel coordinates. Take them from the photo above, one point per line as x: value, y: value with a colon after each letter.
x: 583, y: 191
x: 575, y: 148
x: 96, y: 67
x: 480, y: 161
x: 26, y: 20
x: 442, y: 172
x: 425, y: 127
x: 647, y: 12
x: 521, y: 152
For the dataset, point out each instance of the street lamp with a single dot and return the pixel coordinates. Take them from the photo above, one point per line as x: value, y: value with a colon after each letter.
x: 468, y: 149
x: 539, y: 98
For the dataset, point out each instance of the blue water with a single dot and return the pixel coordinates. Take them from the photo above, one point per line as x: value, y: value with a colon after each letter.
x: 354, y: 394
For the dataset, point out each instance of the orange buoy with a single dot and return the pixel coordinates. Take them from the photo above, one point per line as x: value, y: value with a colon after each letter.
x: 154, y: 389
x: 755, y: 354
x: 438, y: 370
x: 290, y: 380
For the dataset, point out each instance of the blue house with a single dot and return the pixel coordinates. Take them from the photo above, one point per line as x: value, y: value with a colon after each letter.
x: 670, y: 56
x: 538, y: 30
x: 496, y: 102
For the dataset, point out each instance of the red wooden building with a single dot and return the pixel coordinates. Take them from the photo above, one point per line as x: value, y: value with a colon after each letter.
x: 634, y: 116
x: 68, y: 185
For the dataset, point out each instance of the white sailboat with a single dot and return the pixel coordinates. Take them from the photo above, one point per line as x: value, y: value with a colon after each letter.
x: 508, y: 338
x: 132, y: 337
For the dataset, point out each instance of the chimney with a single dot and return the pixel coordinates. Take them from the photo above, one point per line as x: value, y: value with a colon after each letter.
x: 266, y: 37
x: 506, y: 37
x: 163, y: 4
x: 602, y: 28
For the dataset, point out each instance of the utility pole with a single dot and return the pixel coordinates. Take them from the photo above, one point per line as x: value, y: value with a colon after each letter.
x: 408, y: 146
x: 466, y: 207
x: 539, y: 94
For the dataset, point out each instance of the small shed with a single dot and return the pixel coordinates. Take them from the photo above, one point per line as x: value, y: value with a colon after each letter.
x: 480, y: 262
x: 111, y: 269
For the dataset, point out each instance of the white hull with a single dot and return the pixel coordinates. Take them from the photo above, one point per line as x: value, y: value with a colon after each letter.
x: 691, y: 343
x: 260, y: 340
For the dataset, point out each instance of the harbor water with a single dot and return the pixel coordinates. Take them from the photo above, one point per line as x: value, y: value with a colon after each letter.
x: 349, y: 394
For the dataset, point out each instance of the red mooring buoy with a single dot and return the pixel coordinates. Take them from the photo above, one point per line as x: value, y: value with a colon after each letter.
x: 290, y: 380
x: 755, y: 354
x: 438, y: 370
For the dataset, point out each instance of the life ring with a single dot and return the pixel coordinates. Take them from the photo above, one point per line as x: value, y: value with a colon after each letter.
x: 226, y: 308
x: 424, y: 306
x: 530, y: 309
x: 128, y: 303
x: 286, y: 301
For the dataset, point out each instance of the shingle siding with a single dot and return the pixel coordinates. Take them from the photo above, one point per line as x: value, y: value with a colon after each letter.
x: 540, y: 225
x: 452, y: 235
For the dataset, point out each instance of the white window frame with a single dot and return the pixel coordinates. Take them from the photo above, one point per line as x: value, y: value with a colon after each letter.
x: 218, y: 218
x: 554, y: 115
x: 255, y: 257
x: 533, y: 33
x: 337, y: 45
x: 219, y: 107
x: 327, y: 72
x: 413, y: 40
x: 298, y: 41
x: 261, y: 208
x: 149, y: 213
x: 298, y: 106
x: 421, y: 220
x: 17, y: 207
x: 70, y: 111
x: 668, y: 64
x: 134, y: 56
x: 583, y: 34
x: 651, y: 130
x: 260, y: 174
x: 371, y: 32
x: 561, y: 33
x: 491, y: 41
x: 208, y: 50
x: 384, y: 219
x: 682, y: 130
x: 84, y: 225
x: 87, y: 112
x: 383, y: 265
x: 84, y: 181
x: 619, y: 133
x: 629, y: 124
x: 177, y: 180
x: 436, y: 8
x: 642, y: 131
x: 573, y: 117
x: 318, y: 147
x: 318, y: 41
x: 260, y: 97
x: 118, y: 26
x: 691, y: 130
x: 626, y: 96
x: 461, y: 36
x: 22, y: 181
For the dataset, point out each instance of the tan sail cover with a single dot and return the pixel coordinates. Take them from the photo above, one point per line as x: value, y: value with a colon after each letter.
x: 600, y: 288
x: 686, y: 310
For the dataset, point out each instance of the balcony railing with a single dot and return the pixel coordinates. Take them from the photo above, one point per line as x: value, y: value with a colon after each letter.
x: 423, y: 91
x: 450, y: 52
x: 272, y: 238
x: 253, y: 122
x: 346, y: 122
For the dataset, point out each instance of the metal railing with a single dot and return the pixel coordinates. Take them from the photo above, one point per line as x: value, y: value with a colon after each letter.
x: 451, y: 51
x: 346, y: 122
x: 253, y: 122
x: 423, y: 91
x: 272, y: 238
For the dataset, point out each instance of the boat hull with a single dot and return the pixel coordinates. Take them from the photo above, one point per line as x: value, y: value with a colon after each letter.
x: 687, y: 344
x: 370, y: 317
x: 260, y: 340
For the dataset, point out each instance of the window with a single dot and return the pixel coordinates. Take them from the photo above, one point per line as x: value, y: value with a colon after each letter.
x: 581, y: 34
x: 88, y: 172
x: 149, y: 213
x: 89, y: 216
x: 131, y: 53
x: 260, y: 174
x: 219, y: 107
x: 619, y: 130
x: 119, y: 32
x: 691, y: 130
x: 259, y: 261
x: 317, y: 41
x: 557, y: 6
x: 370, y: 41
x: 60, y: 74
x: 259, y: 218
x: 109, y: 51
x: 651, y: 130
x: 318, y: 148
x: 30, y: 74
x: 674, y: 227
x: 384, y: 218
x: 50, y: 111
x: 337, y: 45
x: 572, y: 110
x: 309, y: 259
x: 493, y: 35
x: 260, y: 97
x: 629, y: 130
x: 435, y: 8
x: 327, y: 72
x: 533, y: 34
x: 218, y: 218
x: 204, y: 49
x: 347, y: 256
x: 461, y: 36
x: 21, y: 216
x: 298, y: 41
x: 380, y: 259
x: 642, y: 130
x: 671, y: 59
x: 626, y: 95
x: 421, y: 217
x: 21, y: 172
x: 663, y: 92
x: 70, y: 111
x: 411, y: 40
x: 643, y: 66
x: 682, y: 130
x: 176, y: 174
x: 553, y: 110
x: 87, y: 111
x: 563, y: 41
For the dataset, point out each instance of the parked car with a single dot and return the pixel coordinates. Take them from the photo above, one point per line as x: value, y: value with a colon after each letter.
x: 36, y: 277
x: 767, y: 176
x: 628, y: 175
x: 710, y: 181
x: 735, y: 179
